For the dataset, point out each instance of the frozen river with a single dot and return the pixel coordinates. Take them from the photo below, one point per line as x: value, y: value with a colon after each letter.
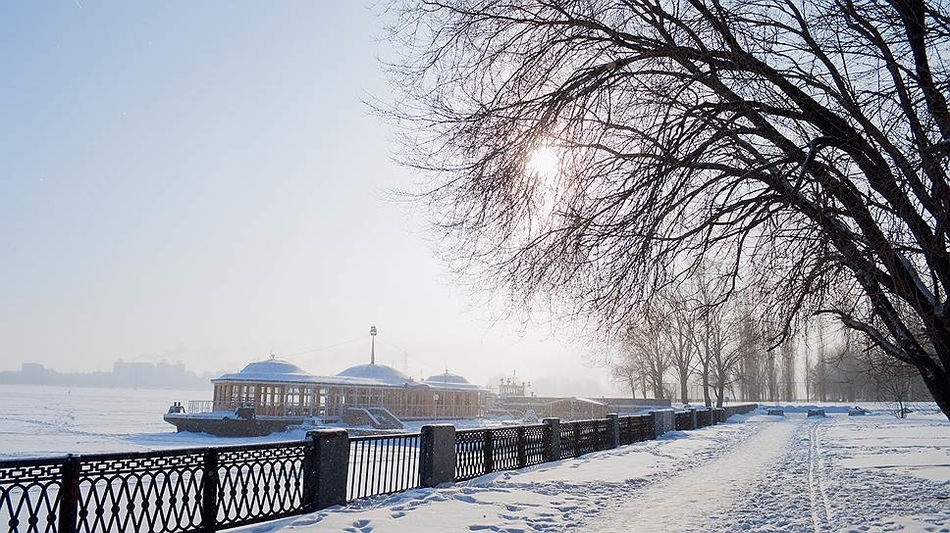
x: 37, y: 420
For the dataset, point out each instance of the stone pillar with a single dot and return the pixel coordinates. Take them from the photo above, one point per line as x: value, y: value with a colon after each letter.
x: 664, y: 421
x: 437, y: 455
x: 552, y: 451
x: 331, y: 449
x: 614, y: 419
x: 693, y: 419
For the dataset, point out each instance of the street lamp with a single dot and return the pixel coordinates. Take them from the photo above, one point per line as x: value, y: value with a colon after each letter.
x: 372, y: 354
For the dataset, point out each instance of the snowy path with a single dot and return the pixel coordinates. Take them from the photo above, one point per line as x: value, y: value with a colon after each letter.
x: 870, y: 474
x: 852, y: 475
x: 702, y: 493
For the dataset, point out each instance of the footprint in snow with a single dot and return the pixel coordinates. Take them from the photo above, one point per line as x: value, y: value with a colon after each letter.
x: 360, y: 526
x: 479, y: 527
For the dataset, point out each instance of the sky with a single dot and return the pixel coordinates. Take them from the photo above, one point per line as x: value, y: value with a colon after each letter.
x: 202, y: 181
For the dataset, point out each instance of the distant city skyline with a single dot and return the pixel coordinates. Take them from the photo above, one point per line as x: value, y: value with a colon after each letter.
x: 205, y: 180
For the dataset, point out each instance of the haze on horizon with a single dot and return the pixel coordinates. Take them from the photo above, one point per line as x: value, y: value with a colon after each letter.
x: 202, y: 182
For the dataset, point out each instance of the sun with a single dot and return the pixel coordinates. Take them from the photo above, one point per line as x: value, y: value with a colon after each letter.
x: 543, y: 161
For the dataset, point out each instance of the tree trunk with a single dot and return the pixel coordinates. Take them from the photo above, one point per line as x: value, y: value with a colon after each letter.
x: 938, y: 383
x: 706, y: 398
x: 684, y: 385
x: 657, y: 388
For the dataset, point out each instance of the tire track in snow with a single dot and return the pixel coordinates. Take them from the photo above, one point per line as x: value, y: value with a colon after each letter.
x: 820, y: 473
x: 818, y: 521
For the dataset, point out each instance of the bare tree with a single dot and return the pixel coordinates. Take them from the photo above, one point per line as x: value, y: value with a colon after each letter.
x: 679, y: 332
x: 629, y: 372
x: 802, y: 145
x: 788, y: 370
x: 771, y: 376
x: 646, y: 356
x: 751, y: 371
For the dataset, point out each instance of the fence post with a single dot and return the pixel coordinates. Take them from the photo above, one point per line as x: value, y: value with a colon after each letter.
x: 331, y: 459
x: 437, y: 455
x: 576, y: 434
x: 522, y: 447
x: 209, y: 491
x: 664, y: 420
x: 693, y: 422
x: 69, y: 499
x: 614, y: 428
x: 310, y: 476
x: 552, y: 449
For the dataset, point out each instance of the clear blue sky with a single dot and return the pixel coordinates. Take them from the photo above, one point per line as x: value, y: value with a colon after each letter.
x: 201, y: 181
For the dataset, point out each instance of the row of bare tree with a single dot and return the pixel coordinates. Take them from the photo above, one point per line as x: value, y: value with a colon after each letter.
x: 682, y: 345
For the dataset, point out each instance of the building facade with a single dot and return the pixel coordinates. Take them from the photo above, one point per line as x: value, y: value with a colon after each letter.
x: 278, y: 388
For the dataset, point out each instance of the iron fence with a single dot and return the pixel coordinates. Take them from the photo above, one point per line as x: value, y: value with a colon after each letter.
x: 382, y: 464
x: 482, y: 451
x: 684, y: 420
x: 635, y: 429
x: 473, y: 453
x: 30, y: 494
x: 261, y: 482
x: 703, y: 418
x: 169, y: 491
x: 205, y: 489
x: 585, y: 436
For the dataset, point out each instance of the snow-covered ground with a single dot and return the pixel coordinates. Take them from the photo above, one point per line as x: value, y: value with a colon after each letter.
x: 40, y: 421
x: 758, y: 473
x: 36, y: 421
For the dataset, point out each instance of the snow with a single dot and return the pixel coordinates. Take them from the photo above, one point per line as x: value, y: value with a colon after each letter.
x: 375, y: 375
x: 757, y: 473
x: 451, y: 381
x: 41, y: 421
x: 269, y: 370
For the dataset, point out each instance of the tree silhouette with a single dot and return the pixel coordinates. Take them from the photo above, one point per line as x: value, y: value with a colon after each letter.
x: 800, y: 146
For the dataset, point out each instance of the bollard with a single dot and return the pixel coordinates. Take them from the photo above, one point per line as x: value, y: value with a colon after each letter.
x: 614, y: 425
x: 437, y: 455
x: 552, y: 449
x: 331, y: 449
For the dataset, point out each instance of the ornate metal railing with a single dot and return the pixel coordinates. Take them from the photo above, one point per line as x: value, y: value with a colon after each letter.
x: 30, y: 494
x: 162, y: 492
x: 473, y: 453
x: 205, y: 489
x: 683, y: 420
x: 382, y: 465
x: 703, y: 418
x: 482, y: 451
x: 636, y: 429
x: 133, y: 492
x: 585, y: 436
x: 261, y: 482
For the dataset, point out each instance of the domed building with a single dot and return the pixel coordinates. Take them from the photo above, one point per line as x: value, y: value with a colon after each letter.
x: 277, y: 388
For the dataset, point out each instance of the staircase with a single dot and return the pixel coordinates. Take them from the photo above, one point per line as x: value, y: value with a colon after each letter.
x: 375, y: 417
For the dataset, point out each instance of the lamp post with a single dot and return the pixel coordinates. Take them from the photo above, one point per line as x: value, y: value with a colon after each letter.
x: 372, y: 353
